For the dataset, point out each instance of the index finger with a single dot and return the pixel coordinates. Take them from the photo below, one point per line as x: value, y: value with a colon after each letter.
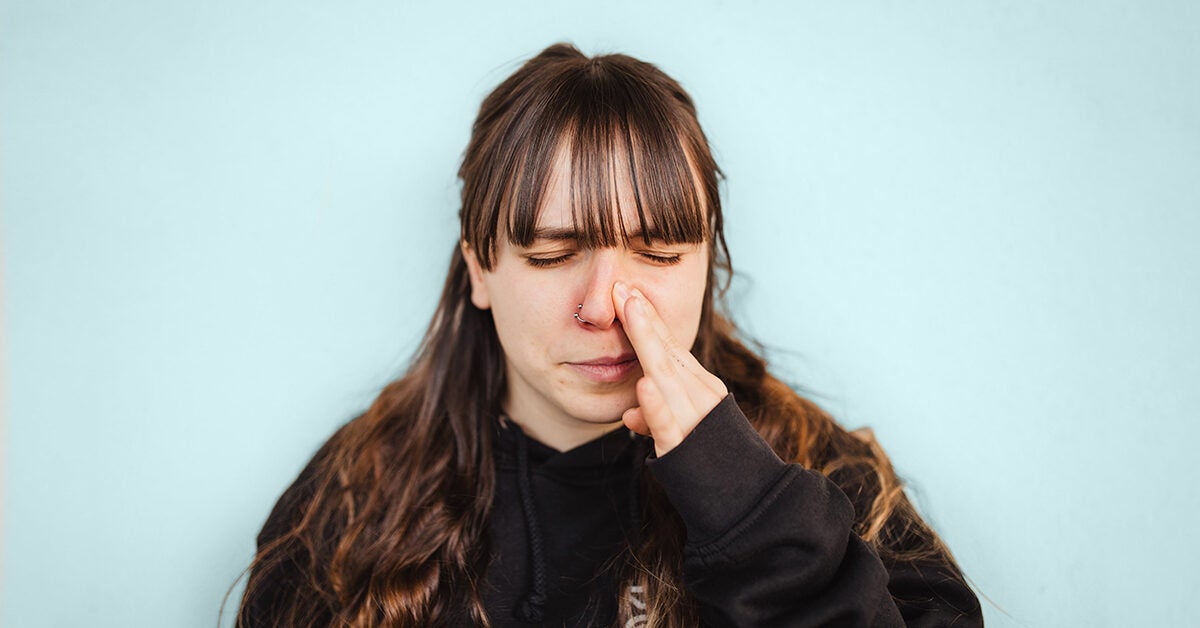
x: 658, y: 351
x: 658, y: 355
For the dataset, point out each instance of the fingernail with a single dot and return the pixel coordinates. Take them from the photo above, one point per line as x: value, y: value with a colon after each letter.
x: 638, y: 293
x: 621, y: 290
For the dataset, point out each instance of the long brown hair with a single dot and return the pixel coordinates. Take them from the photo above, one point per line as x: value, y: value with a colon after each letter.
x: 389, y: 524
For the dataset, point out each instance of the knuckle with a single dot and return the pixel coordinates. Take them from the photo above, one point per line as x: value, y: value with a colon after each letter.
x: 666, y: 364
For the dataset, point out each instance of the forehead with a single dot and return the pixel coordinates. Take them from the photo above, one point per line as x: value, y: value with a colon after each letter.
x: 566, y: 197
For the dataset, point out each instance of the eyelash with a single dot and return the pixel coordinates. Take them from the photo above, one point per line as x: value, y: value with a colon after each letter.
x: 545, y: 262
x: 665, y: 260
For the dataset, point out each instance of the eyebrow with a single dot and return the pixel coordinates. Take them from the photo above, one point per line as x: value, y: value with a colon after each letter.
x: 560, y: 234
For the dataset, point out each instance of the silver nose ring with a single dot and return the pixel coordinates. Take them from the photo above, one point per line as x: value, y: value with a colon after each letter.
x: 580, y: 319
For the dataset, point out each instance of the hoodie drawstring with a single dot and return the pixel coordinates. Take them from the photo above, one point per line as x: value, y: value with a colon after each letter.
x: 531, y: 609
x: 635, y: 510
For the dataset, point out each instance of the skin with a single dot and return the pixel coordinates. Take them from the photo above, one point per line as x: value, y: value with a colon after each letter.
x: 676, y: 391
x: 644, y: 301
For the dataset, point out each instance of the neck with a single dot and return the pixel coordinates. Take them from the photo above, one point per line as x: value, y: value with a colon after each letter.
x: 559, y: 433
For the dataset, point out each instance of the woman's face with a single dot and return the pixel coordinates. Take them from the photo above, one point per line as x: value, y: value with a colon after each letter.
x: 568, y: 381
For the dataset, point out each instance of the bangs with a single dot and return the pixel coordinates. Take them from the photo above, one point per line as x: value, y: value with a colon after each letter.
x: 611, y: 160
x: 623, y: 139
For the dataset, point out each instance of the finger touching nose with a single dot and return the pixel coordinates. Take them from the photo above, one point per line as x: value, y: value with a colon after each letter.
x: 598, y: 309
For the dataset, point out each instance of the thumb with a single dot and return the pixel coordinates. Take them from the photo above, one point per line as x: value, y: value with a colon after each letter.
x: 634, y: 421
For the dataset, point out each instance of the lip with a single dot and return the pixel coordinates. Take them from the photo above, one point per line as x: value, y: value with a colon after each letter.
x: 607, y: 370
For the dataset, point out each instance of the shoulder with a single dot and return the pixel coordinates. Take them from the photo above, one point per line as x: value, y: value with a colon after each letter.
x: 299, y: 494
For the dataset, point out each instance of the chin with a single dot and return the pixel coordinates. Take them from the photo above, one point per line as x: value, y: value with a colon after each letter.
x: 605, y: 407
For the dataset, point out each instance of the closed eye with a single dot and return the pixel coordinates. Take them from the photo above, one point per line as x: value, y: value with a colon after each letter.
x: 546, y: 262
x: 543, y: 262
x: 665, y: 260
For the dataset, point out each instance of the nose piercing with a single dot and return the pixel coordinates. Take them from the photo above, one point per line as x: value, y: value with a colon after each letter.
x: 577, y: 311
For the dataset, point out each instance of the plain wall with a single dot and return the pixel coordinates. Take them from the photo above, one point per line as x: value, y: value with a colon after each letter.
x: 972, y: 226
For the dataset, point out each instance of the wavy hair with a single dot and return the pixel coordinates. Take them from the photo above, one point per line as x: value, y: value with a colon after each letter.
x: 388, y: 525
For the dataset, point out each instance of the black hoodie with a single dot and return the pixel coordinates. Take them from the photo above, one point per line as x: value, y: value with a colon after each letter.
x: 768, y: 543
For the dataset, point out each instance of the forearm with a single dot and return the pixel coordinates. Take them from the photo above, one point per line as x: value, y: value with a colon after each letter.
x: 771, y: 543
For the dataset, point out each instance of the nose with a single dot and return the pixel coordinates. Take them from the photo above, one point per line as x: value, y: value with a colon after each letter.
x: 603, y: 270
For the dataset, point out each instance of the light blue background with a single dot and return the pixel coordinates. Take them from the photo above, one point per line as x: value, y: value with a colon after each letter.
x: 972, y: 226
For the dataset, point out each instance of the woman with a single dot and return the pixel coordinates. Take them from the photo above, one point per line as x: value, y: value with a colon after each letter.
x: 581, y: 439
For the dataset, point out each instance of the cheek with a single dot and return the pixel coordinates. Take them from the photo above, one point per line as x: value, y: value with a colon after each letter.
x: 679, y: 298
x: 525, y: 312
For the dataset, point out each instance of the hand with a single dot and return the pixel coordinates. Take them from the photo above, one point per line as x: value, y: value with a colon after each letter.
x: 675, y: 392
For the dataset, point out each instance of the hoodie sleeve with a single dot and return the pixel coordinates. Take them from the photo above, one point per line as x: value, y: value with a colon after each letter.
x: 771, y: 543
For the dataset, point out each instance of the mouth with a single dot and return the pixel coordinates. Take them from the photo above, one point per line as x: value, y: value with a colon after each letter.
x: 607, y: 370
